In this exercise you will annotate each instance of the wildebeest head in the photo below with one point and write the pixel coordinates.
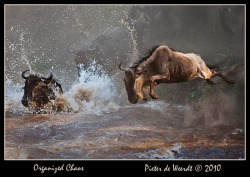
(31, 82)
(134, 82)
(84, 57)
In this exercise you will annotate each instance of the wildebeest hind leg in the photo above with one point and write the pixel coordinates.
(223, 77)
(210, 82)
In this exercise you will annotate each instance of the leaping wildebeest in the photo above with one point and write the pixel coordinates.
(165, 65)
(39, 90)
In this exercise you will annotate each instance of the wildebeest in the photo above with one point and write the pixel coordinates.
(114, 44)
(165, 65)
(39, 90)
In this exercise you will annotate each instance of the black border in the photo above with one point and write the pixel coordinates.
(123, 167)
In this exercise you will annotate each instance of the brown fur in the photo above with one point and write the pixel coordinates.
(166, 65)
(38, 92)
(41, 94)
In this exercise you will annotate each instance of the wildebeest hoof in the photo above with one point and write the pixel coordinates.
(153, 96)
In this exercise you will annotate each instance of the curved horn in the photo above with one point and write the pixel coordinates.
(23, 76)
(120, 67)
(48, 78)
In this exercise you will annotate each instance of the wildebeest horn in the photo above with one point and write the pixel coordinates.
(120, 67)
(48, 78)
(23, 76)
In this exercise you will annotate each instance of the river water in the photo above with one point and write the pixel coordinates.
(96, 121)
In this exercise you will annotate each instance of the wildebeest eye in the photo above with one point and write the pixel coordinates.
(139, 74)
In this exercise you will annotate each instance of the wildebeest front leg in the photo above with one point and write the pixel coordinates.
(144, 96)
(152, 84)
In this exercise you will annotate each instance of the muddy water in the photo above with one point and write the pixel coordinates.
(140, 132)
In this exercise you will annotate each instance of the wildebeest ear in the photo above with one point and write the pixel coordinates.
(140, 69)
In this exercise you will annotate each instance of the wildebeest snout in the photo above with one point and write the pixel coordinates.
(25, 101)
(133, 99)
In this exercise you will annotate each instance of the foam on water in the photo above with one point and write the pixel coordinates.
(162, 153)
(156, 105)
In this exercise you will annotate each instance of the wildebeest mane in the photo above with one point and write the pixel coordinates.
(144, 58)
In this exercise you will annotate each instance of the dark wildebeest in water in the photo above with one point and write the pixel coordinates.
(39, 90)
(109, 47)
(165, 65)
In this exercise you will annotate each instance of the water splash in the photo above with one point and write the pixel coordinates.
(23, 52)
(94, 92)
(132, 32)
(18, 51)
(13, 96)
